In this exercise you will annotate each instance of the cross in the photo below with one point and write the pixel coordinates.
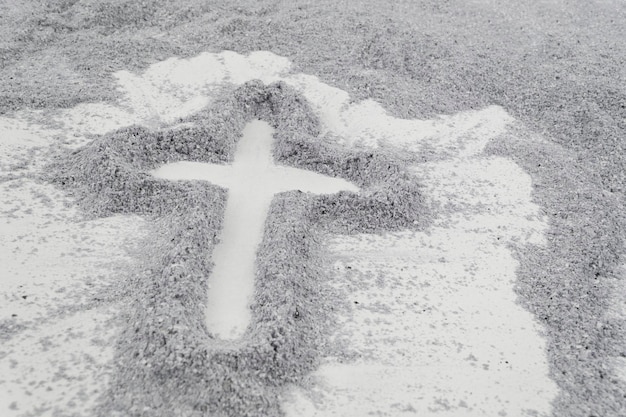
(251, 180)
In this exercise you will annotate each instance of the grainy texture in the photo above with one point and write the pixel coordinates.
(167, 361)
(558, 67)
(567, 284)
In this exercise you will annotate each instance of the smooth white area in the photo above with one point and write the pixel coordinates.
(617, 313)
(446, 293)
(437, 330)
(19, 141)
(252, 180)
(54, 263)
(176, 88)
(367, 123)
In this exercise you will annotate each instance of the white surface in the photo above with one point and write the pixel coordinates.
(56, 355)
(437, 330)
(446, 293)
(58, 360)
(19, 143)
(252, 181)
(176, 88)
(617, 313)
(60, 367)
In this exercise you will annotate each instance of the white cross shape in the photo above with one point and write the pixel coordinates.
(251, 180)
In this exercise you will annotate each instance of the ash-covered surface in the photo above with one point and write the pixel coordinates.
(556, 67)
(167, 362)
